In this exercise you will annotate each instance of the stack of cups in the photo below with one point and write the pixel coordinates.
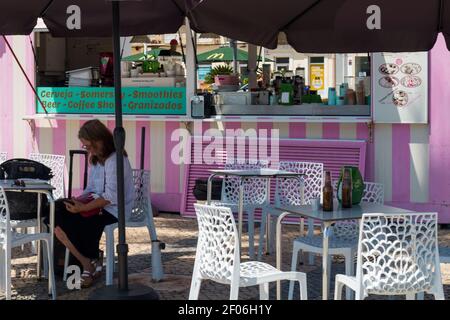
(331, 96)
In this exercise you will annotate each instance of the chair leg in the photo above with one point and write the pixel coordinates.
(251, 233)
(109, 234)
(66, 264)
(2, 269)
(262, 233)
(264, 291)
(338, 290)
(349, 272)
(234, 290)
(295, 252)
(51, 274)
(34, 243)
(272, 233)
(303, 287)
(7, 275)
(411, 296)
(195, 288)
(45, 254)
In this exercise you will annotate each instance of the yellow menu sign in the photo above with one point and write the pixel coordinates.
(317, 76)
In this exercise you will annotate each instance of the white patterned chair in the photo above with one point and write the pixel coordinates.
(397, 255)
(10, 239)
(140, 216)
(218, 257)
(255, 194)
(3, 157)
(287, 193)
(57, 164)
(343, 240)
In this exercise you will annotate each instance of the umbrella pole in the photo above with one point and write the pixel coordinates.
(119, 141)
(124, 292)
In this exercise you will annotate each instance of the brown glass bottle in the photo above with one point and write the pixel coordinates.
(346, 189)
(327, 194)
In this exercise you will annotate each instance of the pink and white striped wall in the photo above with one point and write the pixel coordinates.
(412, 161)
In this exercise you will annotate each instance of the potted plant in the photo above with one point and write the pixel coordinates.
(222, 75)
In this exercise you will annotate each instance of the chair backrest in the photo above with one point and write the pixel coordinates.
(397, 253)
(57, 164)
(348, 230)
(255, 189)
(5, 227)
(217, 257)
(288, 190)
(142, 205)
(373, 192)
(3, 156)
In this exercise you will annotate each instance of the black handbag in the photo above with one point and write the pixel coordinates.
(23, 205)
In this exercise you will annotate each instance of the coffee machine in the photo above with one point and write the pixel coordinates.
(299, 89)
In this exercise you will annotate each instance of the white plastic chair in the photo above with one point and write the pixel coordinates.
(397, 255)
(255, 195)
(57, 164)
(344, 238)
(3, 157)
(218, 257)
(9, 240)
(287, 193)
(140, 216)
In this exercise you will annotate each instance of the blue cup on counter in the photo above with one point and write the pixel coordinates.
(331, 96)
(340, 101)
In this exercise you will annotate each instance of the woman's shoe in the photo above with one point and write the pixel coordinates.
(98, 263)
(87, 279)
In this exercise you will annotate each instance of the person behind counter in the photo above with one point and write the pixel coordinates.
(172, 51)
(79, 222)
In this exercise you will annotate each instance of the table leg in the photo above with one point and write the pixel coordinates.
(38, 243)
(278, 249)
(240, 211)
(325, 261)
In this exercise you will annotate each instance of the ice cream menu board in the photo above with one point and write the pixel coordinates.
(400, 87)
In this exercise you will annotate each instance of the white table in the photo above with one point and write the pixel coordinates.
(41, 189)
(264, 173)
(327, 218)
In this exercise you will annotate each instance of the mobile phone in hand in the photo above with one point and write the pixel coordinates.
(69, 201)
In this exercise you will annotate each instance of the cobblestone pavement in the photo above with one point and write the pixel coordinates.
(180, 236)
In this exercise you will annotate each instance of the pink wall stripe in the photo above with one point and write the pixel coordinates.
(31, 98)
(330, 131)
(172, 169)
(362, 133)
(6, 110)
(297, 130)
(439, 99)
(400, 162)
(146, 125)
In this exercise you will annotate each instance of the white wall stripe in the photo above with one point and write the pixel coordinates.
(130, 143)
(20, 86)
(419, 160)
(347, 131)
(158, 154)
(383, 154)
(182, 167)
(284, 129)
(314, 130)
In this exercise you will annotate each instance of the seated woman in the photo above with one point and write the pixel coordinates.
(79, 224)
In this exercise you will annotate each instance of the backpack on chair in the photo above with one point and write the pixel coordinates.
(23, 205)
